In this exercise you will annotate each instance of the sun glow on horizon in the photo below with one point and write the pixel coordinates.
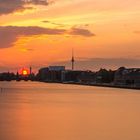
(25, 72)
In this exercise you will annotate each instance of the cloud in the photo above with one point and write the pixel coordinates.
(93, 64)
(137, 32)
(54, 23)
(26, 49)
(97, 63)
(10, 34)
(79, 31)
(11, 6)
(77, 26)
(45, 21)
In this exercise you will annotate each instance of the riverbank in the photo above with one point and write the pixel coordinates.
(99, 85)
(111, 85)
(106, 85)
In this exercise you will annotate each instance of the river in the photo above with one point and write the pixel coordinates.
(42, 111)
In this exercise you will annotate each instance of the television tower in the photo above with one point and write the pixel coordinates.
(72, 60)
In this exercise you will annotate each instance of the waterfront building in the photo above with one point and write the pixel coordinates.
(71, 75)
(56, 68)
(51, 74)
(127, 76)
(104, 76)
(87, 77)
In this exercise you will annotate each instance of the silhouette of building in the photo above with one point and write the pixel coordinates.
(51, 74)
(7, 76)
(87, 77)
(104, 76)
(124, 76)
(56, 68)
(71, 75)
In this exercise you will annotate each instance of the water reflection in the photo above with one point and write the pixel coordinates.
(40, 111)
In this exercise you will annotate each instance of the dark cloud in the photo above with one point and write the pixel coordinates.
(54, 23)
(10, 6)
(83, 32)
(10, 34)
(36, 2)
(75, 27)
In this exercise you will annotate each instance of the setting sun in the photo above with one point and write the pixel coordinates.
(24, 72)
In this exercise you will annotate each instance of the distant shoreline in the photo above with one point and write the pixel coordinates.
(113, 86)
(97, 85)
(89, 84)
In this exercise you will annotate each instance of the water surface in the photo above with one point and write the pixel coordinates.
(41, 111)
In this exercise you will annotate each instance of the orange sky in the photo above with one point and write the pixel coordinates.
(107, 29)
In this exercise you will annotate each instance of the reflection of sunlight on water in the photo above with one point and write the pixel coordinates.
(40, 111)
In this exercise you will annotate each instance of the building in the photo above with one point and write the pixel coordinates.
(51, 74)
(56, 68)
(124, 76)
(105, 76)
(87, 77)
(71, 75)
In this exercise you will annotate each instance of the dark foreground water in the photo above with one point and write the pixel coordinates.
(40, 111)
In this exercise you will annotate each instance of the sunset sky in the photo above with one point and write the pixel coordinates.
(38, 33)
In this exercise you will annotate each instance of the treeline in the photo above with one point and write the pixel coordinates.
(7, 76)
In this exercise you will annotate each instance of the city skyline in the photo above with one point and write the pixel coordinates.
(103, 33)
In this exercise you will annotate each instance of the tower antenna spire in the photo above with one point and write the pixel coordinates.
(72, 60)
